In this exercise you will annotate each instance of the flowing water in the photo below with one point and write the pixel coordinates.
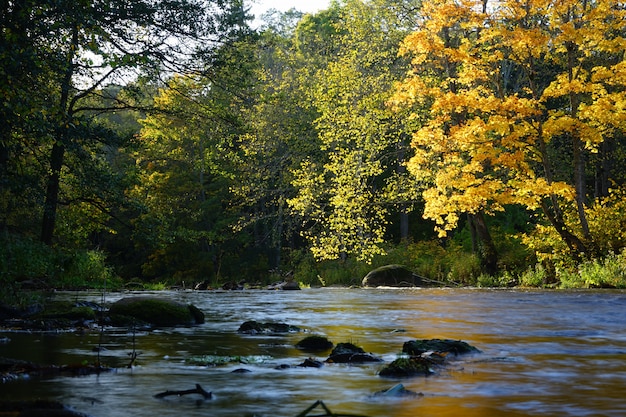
(544, 353)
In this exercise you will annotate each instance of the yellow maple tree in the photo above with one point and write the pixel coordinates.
(510, 84)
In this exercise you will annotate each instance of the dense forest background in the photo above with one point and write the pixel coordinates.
(161, 142)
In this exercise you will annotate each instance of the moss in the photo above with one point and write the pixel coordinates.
(155, 311)
(406, 367)
(66, 310)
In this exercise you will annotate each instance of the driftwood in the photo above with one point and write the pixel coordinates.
(197, 390)
(327, 412)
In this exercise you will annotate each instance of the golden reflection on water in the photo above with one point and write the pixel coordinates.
(544, 354)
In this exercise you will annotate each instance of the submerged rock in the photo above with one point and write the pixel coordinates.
(254, 327)
(154, 311)
(398, 390)
(349, 353)
(37, 408)
(311, 363)
(457, 347)
(284, 285)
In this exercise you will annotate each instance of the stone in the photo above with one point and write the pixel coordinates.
(349, 353)
(456, 347)
(154, 311)
(398, 390)
(407, 367)
(391, 276)
(315, 343)
(254, 327)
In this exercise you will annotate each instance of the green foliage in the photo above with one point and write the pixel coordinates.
(25, 259)
(534, 276)
(85, 269)
(315, 273)
(608, 272)
(27, 262)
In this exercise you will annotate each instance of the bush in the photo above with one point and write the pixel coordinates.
(85, 269)
(25, 259)
(533, 276)
(608, 272)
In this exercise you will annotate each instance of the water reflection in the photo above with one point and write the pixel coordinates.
(544, 353)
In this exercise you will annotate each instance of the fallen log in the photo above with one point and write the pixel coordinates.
(197, 390)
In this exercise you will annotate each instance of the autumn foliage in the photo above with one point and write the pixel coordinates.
(521, 97)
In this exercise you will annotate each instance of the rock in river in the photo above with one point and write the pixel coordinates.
(456, 347)
(315, 343)
(349, 353)
(254, 327)
(391, 276)
(154, 311)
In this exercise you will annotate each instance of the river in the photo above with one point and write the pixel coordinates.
(544, 353)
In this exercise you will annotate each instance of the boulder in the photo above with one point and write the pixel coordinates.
(391, 276)
(456, 347)
(154, 311)
(349, 353)
(407, 367)
(314, 343)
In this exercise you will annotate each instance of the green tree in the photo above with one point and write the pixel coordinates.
(80, 47)
(341, 189)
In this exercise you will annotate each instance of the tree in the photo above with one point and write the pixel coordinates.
(83, 46)
(341, 190)
(515, 91)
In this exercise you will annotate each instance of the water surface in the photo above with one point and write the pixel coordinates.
(544, 353)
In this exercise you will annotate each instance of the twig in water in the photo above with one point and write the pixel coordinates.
(197, 390)
(133, 355)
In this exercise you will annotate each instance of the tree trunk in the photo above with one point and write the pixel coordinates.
(486, 248)
(58, 149)
(577, 147)
(575, 245)
(404, 226)
(52, 194)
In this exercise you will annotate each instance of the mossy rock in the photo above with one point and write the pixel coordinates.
(349, 353)
(390, 276)
(315, 343)
(457, 347)
(66, 310)
(407, 367)
(154, 311)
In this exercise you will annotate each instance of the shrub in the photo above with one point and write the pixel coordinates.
(85, 269)
(608, 272)
(533, 276)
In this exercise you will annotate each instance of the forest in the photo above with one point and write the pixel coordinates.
(162, 143)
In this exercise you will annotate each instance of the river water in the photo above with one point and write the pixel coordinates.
(544, 353)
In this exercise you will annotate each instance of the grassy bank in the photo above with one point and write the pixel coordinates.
(27, 264)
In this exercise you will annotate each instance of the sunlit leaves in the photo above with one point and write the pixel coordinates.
(505, 83)
(339, 192)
